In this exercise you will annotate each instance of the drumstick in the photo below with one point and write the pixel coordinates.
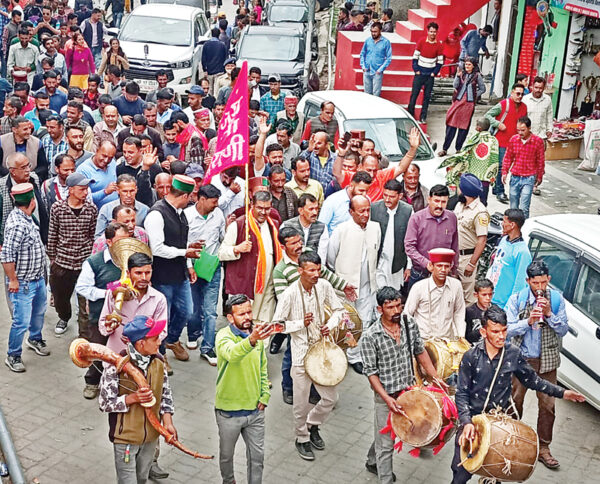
(405, 415)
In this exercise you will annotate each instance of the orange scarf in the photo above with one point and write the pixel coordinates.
(261, 265)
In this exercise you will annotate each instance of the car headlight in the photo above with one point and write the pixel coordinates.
(186, 64)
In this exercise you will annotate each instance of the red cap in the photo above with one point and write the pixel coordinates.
(258, 181)
(441, 255)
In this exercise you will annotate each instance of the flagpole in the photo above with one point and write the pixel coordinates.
(247, 204)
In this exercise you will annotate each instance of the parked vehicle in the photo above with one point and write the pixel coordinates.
(291, 13)
(570, 245)
(163, 36)
(386, 123)
(203, 4)
(280, 50)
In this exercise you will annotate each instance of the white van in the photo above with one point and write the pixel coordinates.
(570, 245)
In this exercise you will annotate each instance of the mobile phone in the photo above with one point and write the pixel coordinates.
(358, 134)
(347, 136)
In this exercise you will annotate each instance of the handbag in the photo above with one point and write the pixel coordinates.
(206, 265)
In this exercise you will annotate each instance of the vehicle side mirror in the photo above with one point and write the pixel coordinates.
(314, 55)
(112, 31)
(434, 146)
(207, 13)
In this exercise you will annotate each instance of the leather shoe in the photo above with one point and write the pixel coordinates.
(178, 350)
(156, 472)
(357, 367)
(288, 397)
(315, 438)
(275, 345)
(502, 198)
(305, 450)
(372, 468)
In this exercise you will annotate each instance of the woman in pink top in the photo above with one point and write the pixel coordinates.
(80, 62)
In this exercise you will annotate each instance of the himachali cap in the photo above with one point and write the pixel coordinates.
(201, 113)
(257, 181)
(290, 99)
(22, 192)
(183, 183)
(141, 327)
(441, 255)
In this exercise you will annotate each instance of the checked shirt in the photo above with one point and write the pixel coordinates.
(524, 159)
(384, 357)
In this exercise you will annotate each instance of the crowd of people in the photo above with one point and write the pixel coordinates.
(86, 162)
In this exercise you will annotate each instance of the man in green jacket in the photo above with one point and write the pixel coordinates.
(242, 388)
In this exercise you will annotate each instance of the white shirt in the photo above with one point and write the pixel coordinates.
(229, 201)
(210, 229)
(323, 241)
(155, 227)
(384, 274)
(86, 282)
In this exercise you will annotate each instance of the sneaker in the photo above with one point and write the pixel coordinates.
(61, 327)
(156, 472)
(178, 350)
(191, 345)
(288, 397)
(502, 198)
(15, 363)
(90, 392)
(210, 357)
(305, 450)
(39, 347)
(168, 366)
(315, 439)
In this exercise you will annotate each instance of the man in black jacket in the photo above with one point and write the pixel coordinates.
(214, 54)
(392, 215)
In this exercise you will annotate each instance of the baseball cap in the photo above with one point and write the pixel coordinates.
(274, 78)
(195, 90)
(164, 93)
(141, 327)
(77, 180)
(194, 170)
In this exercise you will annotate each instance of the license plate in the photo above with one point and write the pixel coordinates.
(147, 85)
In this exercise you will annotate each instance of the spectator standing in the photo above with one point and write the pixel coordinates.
(54, 142)
(386, 20)
(356, 21)
(24, 261)
(70, 238)
(22, 56)
(9, 32)
(525, 161)
(58, 99)
(102, 172)
(375, 57)
(427, 62)
(22, 141)
(503, 119)
(114, 55)
(129, 103)
(214, 54)
(12, 108)
(92, 30)
(325, 121)
(118, 9)
(473, 42)
(468, 87)
(273, 101)
(80, 61)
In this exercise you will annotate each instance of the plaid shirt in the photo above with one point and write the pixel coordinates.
(23, 246)
(384, 357)
(51, 149)
(322, 173)
(70, 237)
(524, 159)
(272, 106)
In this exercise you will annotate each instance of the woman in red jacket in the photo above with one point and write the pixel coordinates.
(80, 62)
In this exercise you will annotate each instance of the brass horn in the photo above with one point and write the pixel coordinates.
(123, 290)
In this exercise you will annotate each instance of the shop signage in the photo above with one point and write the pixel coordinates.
(590, 8)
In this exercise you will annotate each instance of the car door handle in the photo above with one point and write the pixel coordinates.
(574, 332)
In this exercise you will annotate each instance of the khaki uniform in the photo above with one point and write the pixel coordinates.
(473, 222)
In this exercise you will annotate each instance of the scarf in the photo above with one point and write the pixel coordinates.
(479, 156)
(261, 265)
(139, 360)
(186, 135)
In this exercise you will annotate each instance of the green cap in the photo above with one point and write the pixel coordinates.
(183, 183)
(22, 192)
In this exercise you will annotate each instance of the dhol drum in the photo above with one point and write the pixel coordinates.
(19, 76)
(504, 448)
(326, 363)
(428, 419)
(348, 332)
(446, 354)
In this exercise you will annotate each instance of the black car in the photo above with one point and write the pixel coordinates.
(279, 50)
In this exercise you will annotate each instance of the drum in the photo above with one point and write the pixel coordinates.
(348, 333)
(19, 76)
(430, 418)
(325, 363)
(446, 354)
(504, 448)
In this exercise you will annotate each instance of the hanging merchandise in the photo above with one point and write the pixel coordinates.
(545, 13)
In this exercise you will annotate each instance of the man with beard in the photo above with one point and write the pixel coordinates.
(301, 182)
(70, 237)
(74, 135)
(74, 115)
(103, 173)
(20, 140)
(387, 348)
(292, 117)
(283, 138)
(433, 227)
(124, 216)
(193, 143)
(109, 128)
(285, 201)
(54, 142)
(316, 235)
(139, 126)
(375, 57)
(56, 189)
(195, 96)
(231, 187)
(413, 192)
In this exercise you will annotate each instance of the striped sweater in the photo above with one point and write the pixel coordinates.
(286, 273)
(428, 57)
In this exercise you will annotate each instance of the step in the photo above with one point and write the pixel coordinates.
(433, 6)
(353, 42)
(399, 95)
(399, 62)
(390, 77)
(420, 17)
(409, 31)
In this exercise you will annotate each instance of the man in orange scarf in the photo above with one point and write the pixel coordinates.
(250, 263)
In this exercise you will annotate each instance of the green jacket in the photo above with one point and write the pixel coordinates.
(242, 381)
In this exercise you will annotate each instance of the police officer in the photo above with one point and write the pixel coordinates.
(473, 221)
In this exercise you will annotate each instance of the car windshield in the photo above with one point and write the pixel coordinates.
(390, 136)
(288, 13)
(270, 47)
(157, 30)
(189, 3)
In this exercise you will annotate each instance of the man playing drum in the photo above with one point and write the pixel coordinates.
(484, 381)
(302, 308)
(386, 348)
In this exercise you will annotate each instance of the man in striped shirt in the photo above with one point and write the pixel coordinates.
(427, 62)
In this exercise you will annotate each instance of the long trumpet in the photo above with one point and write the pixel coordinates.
(83, 353)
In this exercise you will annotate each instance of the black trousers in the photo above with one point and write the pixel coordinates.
(94, 373)
(460, 139)
(419, 82)
(459, 474)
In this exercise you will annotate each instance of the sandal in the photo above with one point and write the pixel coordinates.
(545, 457)
(442, 153)
(537, 191)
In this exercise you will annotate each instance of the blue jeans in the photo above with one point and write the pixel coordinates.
(498, 185)
(205, 296)
(372, 83)
(179, 303)
(97, 53)
(28, 314)
(520, 191)
(117, 19)
(286, 367)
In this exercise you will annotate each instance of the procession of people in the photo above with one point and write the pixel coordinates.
(233, 228)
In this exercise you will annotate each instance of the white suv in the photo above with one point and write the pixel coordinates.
(570, 245)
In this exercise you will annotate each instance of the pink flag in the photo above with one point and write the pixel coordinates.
(232, 137)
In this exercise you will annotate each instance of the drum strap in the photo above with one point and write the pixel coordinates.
(308, 332)
(410, 347)
(487, 399)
